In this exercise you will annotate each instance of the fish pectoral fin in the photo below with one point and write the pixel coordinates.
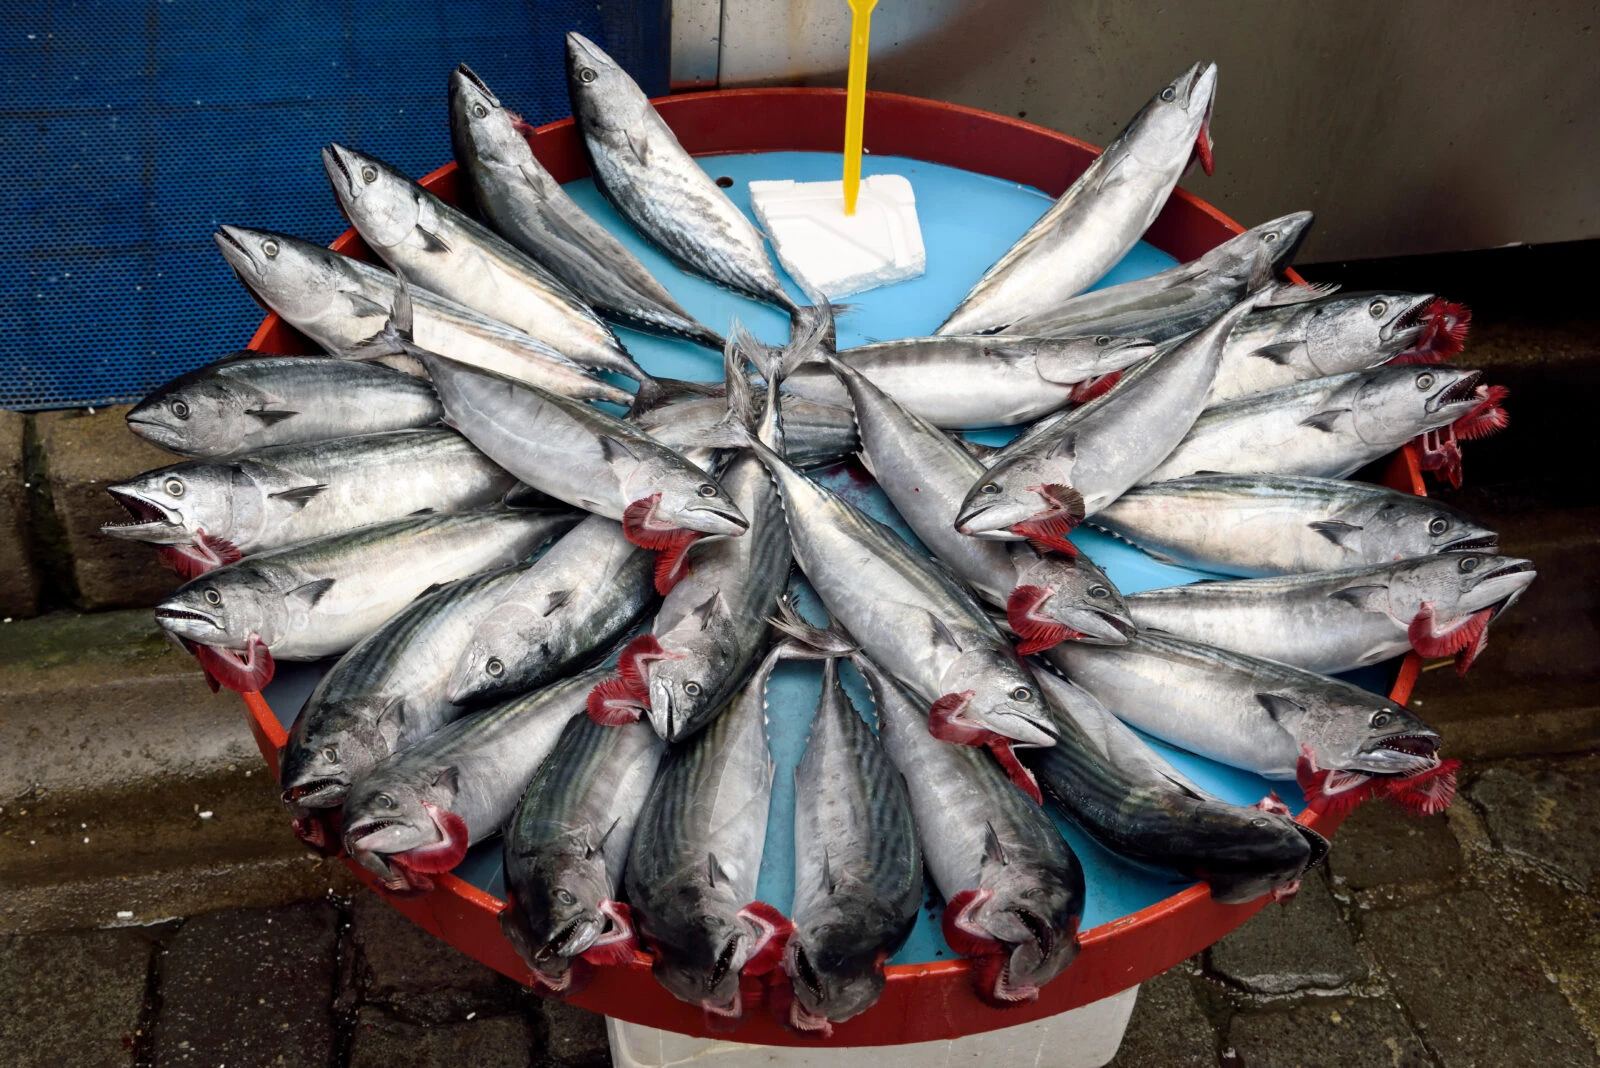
(639, 145)
(1279, 707)
(535, 182)
(1067, 447)
(432, 242)
(306, 596)
(391, 722)
(269, 417)
(448, 779)
(1335, 530)
(714, 871)
(1115, 174)
(993, 849)
(1279, 353)
(710, 609)
(615, 450)
(1366, 598)
(364, 305)
(299, 496)
(1324, 420)
(555, 599)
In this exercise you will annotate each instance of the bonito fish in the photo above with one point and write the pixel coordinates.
(528, 207)
(318, 598)
(206, 514)
(248, 401)
(1256, 525)
(1103, 214)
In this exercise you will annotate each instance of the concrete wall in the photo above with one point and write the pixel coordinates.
(1409, 126)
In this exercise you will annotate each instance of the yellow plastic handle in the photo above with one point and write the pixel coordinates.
(855, 104)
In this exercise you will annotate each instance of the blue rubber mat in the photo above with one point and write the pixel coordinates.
(131, 128)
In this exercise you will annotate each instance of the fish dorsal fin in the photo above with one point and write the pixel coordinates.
(1368, 598)
(299, 496)
(1279, 353)
(1279, 707)
(268, 416)
(714, 871)
(992, 847)
(1335, 530)
(1324, 420)
(555, 599)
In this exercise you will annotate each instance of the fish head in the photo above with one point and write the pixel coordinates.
(1074, 360)
(1281, 237)
(329, 751)
(1178, 115)
(699, 959)
(1003, 697)
(1380, 738)
(1394, 404)
(294, 278)
(170, 505)
(1399, 528)
(560, 895)
(507, 653)
(696, 501)
(1073, 592)
(1249, 852)
(481, 127)
(386, 814)
(685, 687)
(1034, 910)
(835, 961)
(1458, 584)
(380, 202)
(1355, 331)
(197, 413)
(1014, 491)
(225, 608)
(604, 97)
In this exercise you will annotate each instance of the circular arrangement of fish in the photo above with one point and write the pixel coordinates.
(557, 604)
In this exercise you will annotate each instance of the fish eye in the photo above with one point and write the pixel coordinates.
(212, 596)
(587, 75)
(1022, 693)
(495, 667)
(707, 490)
(990, 487)
(386, 801)
(269, 248)
(369, 174)
(1468, 564)
(1270, 236)
(1438, 525)
(173, 486)
(479, 110)
(1103, 340)
(330, 754)
(1380, 719)
(692, 689)
(1377, 308)
(1425, 381)
(1258, 821)
(180, 409)
(1169, 94)
(564, 895)
(1099, 593)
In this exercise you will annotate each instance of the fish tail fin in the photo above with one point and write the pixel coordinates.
(805, 641)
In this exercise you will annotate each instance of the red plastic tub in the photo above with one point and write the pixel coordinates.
(921, 1002)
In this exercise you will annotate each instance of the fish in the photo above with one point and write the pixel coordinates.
(640, 167)
(343, 304)
(1341, 743)
(1048, 596)
(1013, 889)
(814, 434)
(1104, 213)
(857, 868)
(911, 615)
(585, 592)
(1326, 427)
(1258, 525)
(1044, 484)
(959, 383)
(443, 250)
(1179, 300)
(579, 454)
(528, 207)
(203, 514)
(696, 855)
(1335, 621)
(416, 813)
(318, 598)
(711, 628)
(385, 694)
(248, 401)
(565, 847)
(1345, 332)
(1119, 791)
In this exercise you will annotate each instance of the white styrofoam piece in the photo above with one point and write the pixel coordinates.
(831, 254)
(1085, 1037)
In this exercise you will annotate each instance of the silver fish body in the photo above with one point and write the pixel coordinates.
(528, 207)
(1121, 792)
(1257, 525)
(1277, 347)
(813, 434)
(577, 598)
(1340, 620)
(447, 252)
(857, 866)
(567, 842)
(1102, 215)
(1178, 300)
(1325, 427)
(248, 401)
(418, 811)
(386, 693)
(657, 186)
(967, 382)
(292, 493)
(342, 304)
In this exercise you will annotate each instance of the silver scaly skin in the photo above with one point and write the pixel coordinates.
(1120, 791)
(968, 382)
(248, 401)
(657, 186)
(1103, 214)
(565, 847)
(528, 207)
(1324, 428)
(443, 250)
(1257, 525)
(1335, 621)
(293, 493)
(342, 304)
(1178, 300)
(814, 434)
(857, 866)
(576, 599)
(1277, 347)
(417, 812)
(385, 694)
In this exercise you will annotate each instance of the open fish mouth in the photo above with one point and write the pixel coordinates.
(1403, 754)
(564, 942)
(724, 963)
(1408, 326)
(354, 836)
(316, 793)
(148, 517)
(166, 614)
(1515, 568)
(333, 157)
(806, 973)
(236, 251)
(477, 82)
(1044, 938)
(1458, 391)
(1485, 543)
